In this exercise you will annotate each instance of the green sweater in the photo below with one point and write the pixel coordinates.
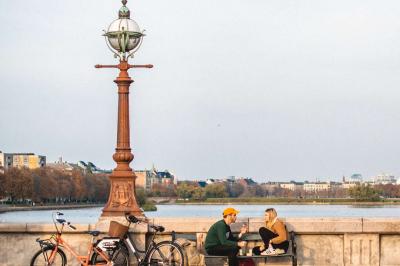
(220, 234)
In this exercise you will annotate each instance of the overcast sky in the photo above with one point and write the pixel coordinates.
(274, 90)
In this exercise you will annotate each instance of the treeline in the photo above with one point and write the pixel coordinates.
(362, 192)
(191, 190)
(47, 185)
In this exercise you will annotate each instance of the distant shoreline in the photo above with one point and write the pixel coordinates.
(283, 203)
(47, 207)
(4, 209)
(286, 201)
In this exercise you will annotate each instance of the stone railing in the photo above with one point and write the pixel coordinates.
(327, 241)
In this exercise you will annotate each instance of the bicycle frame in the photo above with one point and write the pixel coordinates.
(60, 242)
(84, 260)
(136, 252)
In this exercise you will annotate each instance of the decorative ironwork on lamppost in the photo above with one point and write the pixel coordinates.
(124, 38)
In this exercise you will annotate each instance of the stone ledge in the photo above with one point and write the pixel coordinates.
(12, 227)
(201, 225)
(50, 228)
(381, 225)
(185, 224)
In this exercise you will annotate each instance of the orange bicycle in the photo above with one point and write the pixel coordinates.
(51, 252)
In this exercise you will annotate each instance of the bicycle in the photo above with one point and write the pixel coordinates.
(167, 253)
(51, 252)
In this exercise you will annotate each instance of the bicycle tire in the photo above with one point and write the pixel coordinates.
(40, 259)
(120, 257)
(166, 253)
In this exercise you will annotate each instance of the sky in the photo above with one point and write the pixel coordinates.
(275, 90)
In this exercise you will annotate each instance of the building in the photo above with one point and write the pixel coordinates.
(63, 165)
(28, 160)
(88, 167)
(384, 179)
(166, 178)
(270, 187)
(292, 185)
(148, 178)
(347, 185)
(316, 186)
(1, 162)
(245, 182)
(1, 159)
(355, 178)
(145, 179)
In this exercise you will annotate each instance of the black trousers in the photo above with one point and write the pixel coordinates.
(266, 236)
(229, 251)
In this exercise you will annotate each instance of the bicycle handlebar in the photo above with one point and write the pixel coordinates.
(61, 221)
(71, 226)
(133, 219)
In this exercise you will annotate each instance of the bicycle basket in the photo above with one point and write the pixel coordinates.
(117, 230)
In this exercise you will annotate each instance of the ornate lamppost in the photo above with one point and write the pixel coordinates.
(124, 38)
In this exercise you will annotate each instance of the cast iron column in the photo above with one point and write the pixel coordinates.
(122, 198)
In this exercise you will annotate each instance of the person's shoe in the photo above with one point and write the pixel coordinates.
(279, 251)
(268, 251)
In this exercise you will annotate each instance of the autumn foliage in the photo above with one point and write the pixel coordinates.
(47, 185)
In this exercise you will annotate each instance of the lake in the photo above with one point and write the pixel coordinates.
(91, 215)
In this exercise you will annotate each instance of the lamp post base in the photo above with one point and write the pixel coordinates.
(122, 198)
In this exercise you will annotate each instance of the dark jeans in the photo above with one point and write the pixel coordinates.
(229, 251)
(266, 236)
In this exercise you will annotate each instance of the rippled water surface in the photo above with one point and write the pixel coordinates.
(91, 215)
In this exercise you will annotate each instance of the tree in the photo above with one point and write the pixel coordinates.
(198, 194)
(217, 190)
(141, 196)
(2, 185)
(364, 192)
(185, 190)
(163, 190)
(18, 184)
(235, 190)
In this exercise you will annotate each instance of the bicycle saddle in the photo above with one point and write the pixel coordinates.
(93, 233)
(158, 228)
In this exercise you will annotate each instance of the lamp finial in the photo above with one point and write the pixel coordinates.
(124, 11)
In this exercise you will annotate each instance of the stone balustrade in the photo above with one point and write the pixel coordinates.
(320, 241)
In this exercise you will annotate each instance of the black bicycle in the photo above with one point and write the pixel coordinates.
(167, 253)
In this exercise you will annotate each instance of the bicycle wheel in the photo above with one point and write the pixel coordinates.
(41, 258)
(166, 253)
(120, 257)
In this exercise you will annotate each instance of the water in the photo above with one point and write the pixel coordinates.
(91, 215)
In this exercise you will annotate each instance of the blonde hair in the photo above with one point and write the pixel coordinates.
(272, 217)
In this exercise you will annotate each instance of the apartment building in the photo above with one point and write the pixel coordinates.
(28, 160)
(147, 178)
(292, 185)
(1, 159)
(316, 186)
(384, 179)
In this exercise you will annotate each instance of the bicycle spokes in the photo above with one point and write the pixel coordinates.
(166, 255)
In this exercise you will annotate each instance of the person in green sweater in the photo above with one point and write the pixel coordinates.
(220, 240)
